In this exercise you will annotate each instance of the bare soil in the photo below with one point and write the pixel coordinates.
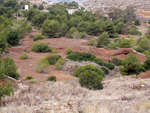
(27, 67)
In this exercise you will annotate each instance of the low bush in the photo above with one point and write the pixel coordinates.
(92, 42)
(142, 45)
(109, 65)
(91, 80)
(105, 70)
(98, 61)
(32, 81)
(103, 41)
(59, 64)
(130, 65)
(112, 45)
(81, 56)
(38, 37)
(147, 64)
(29, 77)
(69, 51)
(139, 49)
(90, 67)
(116, 61)
(24, 56)
(6, 90)
(52, 78)
(13, 38)
(137, 22)
(53, 58)
(42, 66)
(8, 68)
(41, 47)
(134, 31)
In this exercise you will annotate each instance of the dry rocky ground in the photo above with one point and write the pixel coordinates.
(120, 95)
(139, 4)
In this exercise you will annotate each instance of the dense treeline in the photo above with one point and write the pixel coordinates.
(11, 31)
(57, 22)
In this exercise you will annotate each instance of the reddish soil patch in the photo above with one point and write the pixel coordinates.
(144, 75)
(26, 67)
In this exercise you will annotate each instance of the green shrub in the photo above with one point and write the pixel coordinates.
(24, 56)
(59, 64)
(105, 70)
(90, 67)
(130, 65)
(142, 45)
(29, 77)
(147, 64)
(41, 47)
(32, 81)
(98, 61)
(81, 56)
(124, 43)
(82, 34)
(52, 78)
(134, 31)
(53, 58)
(92, 42)
(69, 51)
(112, 45)
(91, 80)
(13, 38)
(6, 90)
(8, 68)
(116, 61)
(109, 65)
(139, 49)
(38, 37)
(28, 28)
(3, 43)
(42, 66)
(137, 22)
(103, 40)
(73, 31)
(148, 36)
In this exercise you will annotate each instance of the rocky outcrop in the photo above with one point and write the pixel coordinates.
(70, 66)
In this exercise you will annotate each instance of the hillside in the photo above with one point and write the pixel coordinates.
(53, 61)
(139, 4)
(64, 0)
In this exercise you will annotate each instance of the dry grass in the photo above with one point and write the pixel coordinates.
(120, 95)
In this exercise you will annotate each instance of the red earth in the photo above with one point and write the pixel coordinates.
(144, 75)
(26, 67)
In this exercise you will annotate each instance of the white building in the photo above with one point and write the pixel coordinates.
(71, 11)
(26, 7)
